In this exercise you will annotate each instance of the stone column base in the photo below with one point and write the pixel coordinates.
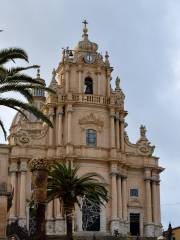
(22, 221)
(59, 226)
(149, 230)
(123, 228)
(114, 225)
(50, 227)
(11, 219)
(158, 230)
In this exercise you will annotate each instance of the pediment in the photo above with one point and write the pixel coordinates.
(91, 119)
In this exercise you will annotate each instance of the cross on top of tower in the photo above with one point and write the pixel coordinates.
(85, 23)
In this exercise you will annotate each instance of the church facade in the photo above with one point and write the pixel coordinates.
(89, 130)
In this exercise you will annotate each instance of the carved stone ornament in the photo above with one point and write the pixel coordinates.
(23, 166)
(144, 146)
(39, 164)
(26, 136)
(91, 119)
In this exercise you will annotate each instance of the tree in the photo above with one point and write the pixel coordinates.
(65, 184)
(12, 79)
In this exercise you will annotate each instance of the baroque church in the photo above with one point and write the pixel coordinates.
(89, 130)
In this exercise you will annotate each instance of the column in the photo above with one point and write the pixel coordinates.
(103, 219)
(69, 123)
(108, 83)
(148, 201)
(59, 220)
(119, 197)
(13, 180)
(67, 70)
(98, 82)
(59, 125)
(122, 132)
(114, 195)
(154, 202)
(50, 210)
(51, 114)
(50, 220)
(158, 203)
(117, 131)
(22, 206)
(112, 128)
(58, 212)
(124, 198)
(80, 78)
(79, 217)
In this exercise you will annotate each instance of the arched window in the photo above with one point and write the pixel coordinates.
(91, 137)
(88, 86)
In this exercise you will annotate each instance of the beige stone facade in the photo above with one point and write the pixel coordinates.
(89, 130)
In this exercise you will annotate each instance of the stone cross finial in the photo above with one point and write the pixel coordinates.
(85, 23)
(117, 83)
(143, 131)
(85, 30)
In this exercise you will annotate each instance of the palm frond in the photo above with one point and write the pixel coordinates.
(9, 102)
(9, 54)
(3, 129)
(12, 71)
(22, 89)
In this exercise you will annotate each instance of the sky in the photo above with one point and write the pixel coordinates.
(143, 41)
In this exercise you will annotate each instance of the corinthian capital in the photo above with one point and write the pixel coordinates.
(38, 164)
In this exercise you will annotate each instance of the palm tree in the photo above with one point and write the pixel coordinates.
(65, 184)
(12, 79)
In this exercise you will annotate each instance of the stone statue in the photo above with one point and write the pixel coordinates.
(117, 83)
(143, 131)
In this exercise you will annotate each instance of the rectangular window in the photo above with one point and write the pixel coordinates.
(91, 137)
(134, 192)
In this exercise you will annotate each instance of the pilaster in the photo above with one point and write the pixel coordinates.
(117, 131)
(124, 198)
(122, 133)
(13, 179)
(22, 208)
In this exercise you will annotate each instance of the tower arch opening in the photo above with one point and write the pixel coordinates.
(88, 85)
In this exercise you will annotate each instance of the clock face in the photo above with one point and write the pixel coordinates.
(89, 58)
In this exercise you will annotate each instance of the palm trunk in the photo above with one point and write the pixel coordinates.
(40, 224)
(69, 224)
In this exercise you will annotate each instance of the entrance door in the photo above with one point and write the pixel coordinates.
(90, 216)
(135, 224)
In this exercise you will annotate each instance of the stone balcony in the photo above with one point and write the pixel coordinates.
(91, 99)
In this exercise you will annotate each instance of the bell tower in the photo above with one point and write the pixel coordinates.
(84, 70)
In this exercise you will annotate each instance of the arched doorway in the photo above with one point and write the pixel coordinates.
(90, 216)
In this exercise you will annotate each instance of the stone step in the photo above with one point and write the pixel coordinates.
(99, 238)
